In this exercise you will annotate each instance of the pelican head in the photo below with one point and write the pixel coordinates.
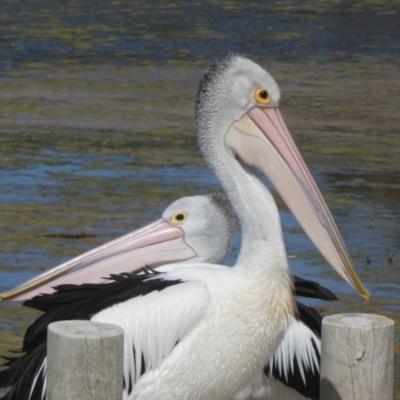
(237, 110)
(208, 225)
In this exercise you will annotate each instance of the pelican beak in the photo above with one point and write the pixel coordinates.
(261, 139)
(155, 243)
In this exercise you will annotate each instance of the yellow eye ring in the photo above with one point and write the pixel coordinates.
(262, 96)
(179, 218)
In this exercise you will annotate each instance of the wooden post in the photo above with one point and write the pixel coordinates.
(84, 361)
(357, 357)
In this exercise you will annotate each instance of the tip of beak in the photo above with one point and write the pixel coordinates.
(361, 289)
(364, 292)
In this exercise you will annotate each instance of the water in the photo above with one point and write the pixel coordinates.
(161, 31)
(97, 133)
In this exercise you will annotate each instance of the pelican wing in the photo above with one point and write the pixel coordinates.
(155, 312)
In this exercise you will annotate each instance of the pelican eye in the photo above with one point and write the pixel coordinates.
(262, 96)
(179, 218)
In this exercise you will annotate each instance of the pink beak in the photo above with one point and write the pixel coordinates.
(158, 242)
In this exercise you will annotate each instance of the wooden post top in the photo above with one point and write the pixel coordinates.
(357, 320)
(88, 329)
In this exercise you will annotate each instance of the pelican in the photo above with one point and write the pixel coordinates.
(208, 225)
(219, 325)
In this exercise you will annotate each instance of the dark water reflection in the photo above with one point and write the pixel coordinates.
(97, 136)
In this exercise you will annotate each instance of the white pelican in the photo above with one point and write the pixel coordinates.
(218, 326)
(208, 225)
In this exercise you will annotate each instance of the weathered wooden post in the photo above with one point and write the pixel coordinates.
(84, 361)
(357, 357)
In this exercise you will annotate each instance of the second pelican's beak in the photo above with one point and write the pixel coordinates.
(155, 243)
(262, 140)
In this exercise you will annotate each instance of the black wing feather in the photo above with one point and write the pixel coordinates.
(311, 289)
(21, 372)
